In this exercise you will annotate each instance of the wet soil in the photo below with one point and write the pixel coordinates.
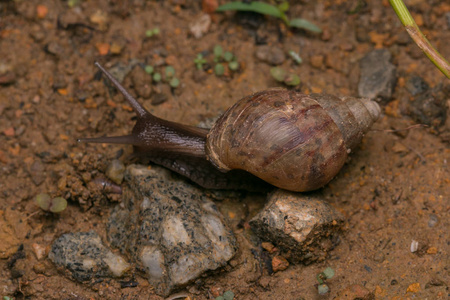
(394, 190)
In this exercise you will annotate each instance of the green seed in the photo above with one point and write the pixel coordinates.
(44, 201)
(218, 51)
(174, 82)
(233, 65)
(157, 77)
(219, 69)
(278, 73)
(228, 56)
(148, 69)
(170, 71)
(58, 205)
(292, 80)
(328, 272)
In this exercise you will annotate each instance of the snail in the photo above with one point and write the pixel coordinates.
(291, 140)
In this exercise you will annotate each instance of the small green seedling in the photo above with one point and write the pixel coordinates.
(157, 77)
(170, 72)
(228, 56)
(281, 75)
(199, 61)
(323, 288)
(271, 10)
(55, 205)
(152, 32)
(233, 65)
(174, 82)
(149, 69)
(219, 69)
(218, 52)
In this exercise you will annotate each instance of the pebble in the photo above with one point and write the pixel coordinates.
(270, 54)
(378, 75)
(84, 255)
(355, 291)
(279, 263)
(416, 85)
(302, 226)
(170, 228)
(39, 251)
(200, 26)
(432, 220)
(429, 107)
(317, 61)
(141, 82)
(115, 171)
(37, 172)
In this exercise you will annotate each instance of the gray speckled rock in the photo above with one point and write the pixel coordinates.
(378, 75)
(85, 256)
(303, 226)
(169, 228)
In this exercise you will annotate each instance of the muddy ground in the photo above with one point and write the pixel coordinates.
(394, 189)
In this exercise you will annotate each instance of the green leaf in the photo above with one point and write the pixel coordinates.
(219, 69)
(304, 24)
(174, 82)
(328, 272)
(284, 6)
(292, 80)
(218, 51)
(278, 73)
(228, 56)
(255, 6)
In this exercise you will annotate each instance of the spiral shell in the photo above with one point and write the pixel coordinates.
(293, 141)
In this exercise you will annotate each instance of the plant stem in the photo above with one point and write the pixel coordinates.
(419, 38)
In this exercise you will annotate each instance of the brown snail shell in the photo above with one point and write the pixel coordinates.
(293, 141)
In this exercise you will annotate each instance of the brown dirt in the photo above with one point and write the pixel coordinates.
(392, 190)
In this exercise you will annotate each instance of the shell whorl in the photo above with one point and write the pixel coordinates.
(291, 140)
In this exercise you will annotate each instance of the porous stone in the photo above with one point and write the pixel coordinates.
(378, 75)
(169, 228)
(270, 54)
(303, 226)
(85, 256)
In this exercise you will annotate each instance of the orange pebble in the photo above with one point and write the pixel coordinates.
(41, 11)
(102, 48)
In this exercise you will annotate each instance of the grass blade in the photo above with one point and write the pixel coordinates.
(304, 24)
(256, 6)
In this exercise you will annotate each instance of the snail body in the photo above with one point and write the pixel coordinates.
(293, 141)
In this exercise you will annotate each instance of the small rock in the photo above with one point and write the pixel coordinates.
(85, 256)
(269, 247)
(141, 82)
(430, 107)
(55, 49)
(302, 226)
(115, 171)
(354, 292)
(414, 246)
(416, 85)
(399, 148)
(317, 61)
(279, 263)
(432, 220)
(169, 227)
(100, 18)
(200, 26)
(270, 54)
(37, 172)
(39, 251)
(378, 75)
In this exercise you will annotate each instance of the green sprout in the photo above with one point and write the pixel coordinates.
(233, 65)
(157, 77)
(151, 32)
(270, 10)
(174, 82)
(219, 69)
(199, 61)
(54, 205)
(149, 69)
(218, 52)
(323, 288)
(170, 72)
(281, 75)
